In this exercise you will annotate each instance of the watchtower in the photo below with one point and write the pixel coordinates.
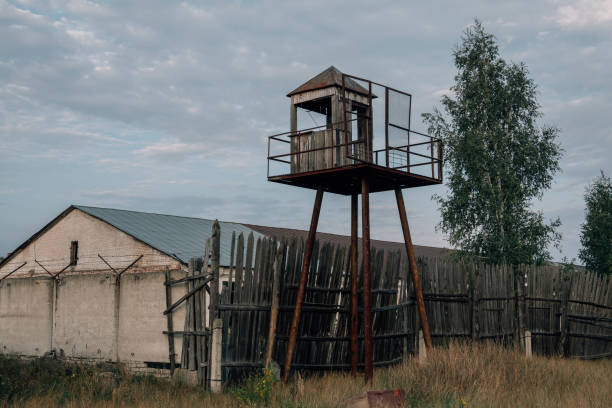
(351, 153)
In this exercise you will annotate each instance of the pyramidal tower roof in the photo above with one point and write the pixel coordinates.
(332, 76)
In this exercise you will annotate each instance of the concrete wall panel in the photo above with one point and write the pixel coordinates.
(26, 316)
(141, 322)
(85, 316)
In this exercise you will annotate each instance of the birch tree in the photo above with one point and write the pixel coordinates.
(498, 159)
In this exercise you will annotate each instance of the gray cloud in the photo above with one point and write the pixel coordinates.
(166, 106)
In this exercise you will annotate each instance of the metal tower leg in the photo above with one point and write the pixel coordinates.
(354, 301)
(367, 280)
(413, 268)
(303, 280)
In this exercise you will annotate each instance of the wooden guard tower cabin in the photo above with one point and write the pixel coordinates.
(353, 154)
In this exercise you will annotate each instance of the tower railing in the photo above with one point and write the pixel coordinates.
(326, 147)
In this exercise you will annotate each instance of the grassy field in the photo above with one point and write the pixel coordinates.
(457, 376)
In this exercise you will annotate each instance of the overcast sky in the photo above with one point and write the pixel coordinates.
(165, 107)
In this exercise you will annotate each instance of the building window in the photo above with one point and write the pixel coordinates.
(74, 252)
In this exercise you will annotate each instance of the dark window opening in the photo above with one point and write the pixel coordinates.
(155, 364)
(74, 252)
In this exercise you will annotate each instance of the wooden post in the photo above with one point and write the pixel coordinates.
(475, 302)
(528, 343)
(520, 307)
(190, 301)
(275, 302)
(354, 277)
(213, 306)
(422, 348)
(170, 324)
(564, 346)
(413, 268)
(367, 280)
(214, 284)
(216, 356)
(303, 280)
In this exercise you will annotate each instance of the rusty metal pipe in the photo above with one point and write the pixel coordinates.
(367, 280)
(303, 280)
(354, 300)
(413, 268)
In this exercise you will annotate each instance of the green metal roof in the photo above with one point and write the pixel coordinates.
(180, 237)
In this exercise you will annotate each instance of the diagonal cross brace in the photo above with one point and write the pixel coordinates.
(188, 294)
(13, 271)
(54, 276)
(124, 269)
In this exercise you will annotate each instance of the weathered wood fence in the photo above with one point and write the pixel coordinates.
(567, 312)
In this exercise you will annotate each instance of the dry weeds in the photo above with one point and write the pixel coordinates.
(457, 376)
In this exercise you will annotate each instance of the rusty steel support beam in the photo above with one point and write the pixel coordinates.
(367, 280)
(413, 268)
(13, 271)
(354, 300)
(303, 280)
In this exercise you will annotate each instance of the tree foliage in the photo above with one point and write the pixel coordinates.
(497, 157)
(596, 232)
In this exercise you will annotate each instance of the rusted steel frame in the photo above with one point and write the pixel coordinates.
(400, 127)
(435, 160)
(278, 160)
(278, 140)
(45, 269)
(367, 280)
(432, 158)
(440, 166)
(370, 136)
(130, 265)
(345, 122)
(354, 299)
(410, 116)
(413, 268)
(303, 281)
(414, 165)
(13, 271)
(107, 264)
(296, 133)
(375, 83)
(417, 165)
(188, 295)
(386, 127)
(422, 134)
(299, 153)
(65, 267)
(349, 168)
(435, 139)
(113, 269)
(268, 161)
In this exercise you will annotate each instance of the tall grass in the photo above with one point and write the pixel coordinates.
(456, 376)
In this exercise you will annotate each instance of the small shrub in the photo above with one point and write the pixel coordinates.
(256, 389)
